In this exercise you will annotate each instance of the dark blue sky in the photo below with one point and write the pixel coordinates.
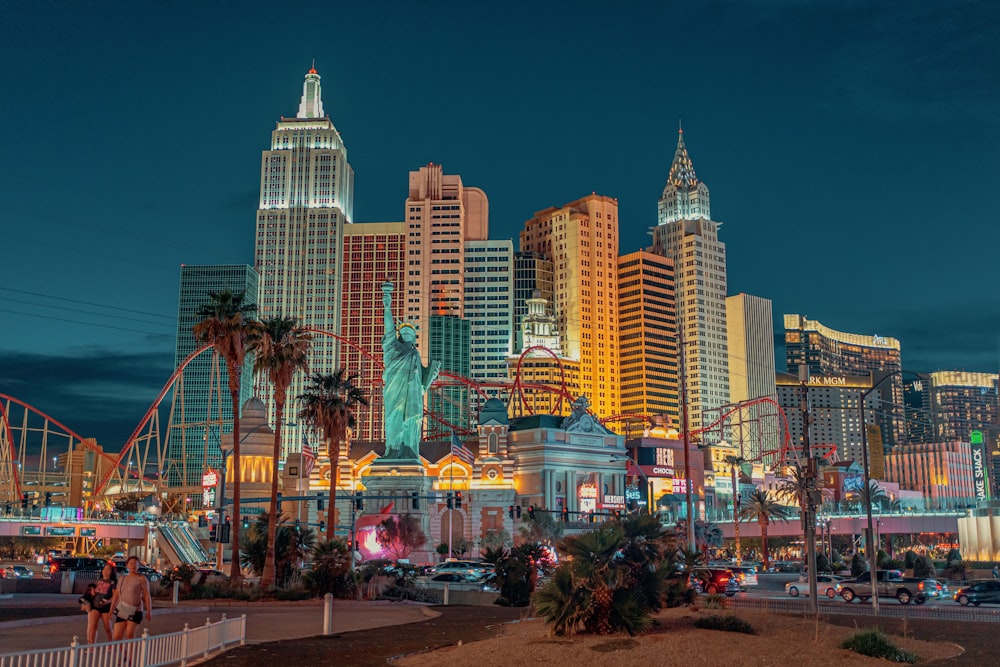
(851, 149)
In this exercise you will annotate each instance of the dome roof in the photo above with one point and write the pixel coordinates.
(494, 410)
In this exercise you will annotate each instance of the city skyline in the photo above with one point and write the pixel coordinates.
(841, 150)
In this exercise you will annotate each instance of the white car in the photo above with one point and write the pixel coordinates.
(826, 584)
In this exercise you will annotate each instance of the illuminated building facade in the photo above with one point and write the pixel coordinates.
(306, 197)
(201, 402)
(374, 252)
(545, 364)
(834, 412)
(825, 351)
(750, 332)
(647, 336)
(963, 402)
(941, 471)
(442, 214)
(686, 234)
(448, 341)
(581, 240)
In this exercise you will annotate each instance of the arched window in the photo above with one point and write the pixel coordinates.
(493, 444)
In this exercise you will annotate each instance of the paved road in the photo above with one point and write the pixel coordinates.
(266, 622)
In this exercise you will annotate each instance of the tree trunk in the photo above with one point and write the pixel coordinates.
(269, 576)
(235, 573)
(763, 540)
(331, 514)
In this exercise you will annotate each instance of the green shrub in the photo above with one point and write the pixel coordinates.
(294, 593)
(876, 645)
(714, 601)
(823, 563)
(923, 567)
(724, 623)
(894, 564)
(882, 560)
(909, 559)
(858, 565)
(954, 556)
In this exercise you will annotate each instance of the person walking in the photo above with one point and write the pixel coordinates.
(131, 596)
(996, 572)
(100, 610)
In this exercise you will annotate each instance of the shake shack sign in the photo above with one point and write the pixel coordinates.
(980, 475)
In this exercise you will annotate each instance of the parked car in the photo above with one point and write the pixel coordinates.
(978, 592)
(785, 566)
(454, 578)
(16, 572)
(473, 567)
(826, 584)
(718, 580)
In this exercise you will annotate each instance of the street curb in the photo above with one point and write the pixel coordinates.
(51, 620)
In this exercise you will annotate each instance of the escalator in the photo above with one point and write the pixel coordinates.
(180, 546)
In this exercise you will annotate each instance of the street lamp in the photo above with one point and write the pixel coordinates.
(870, 530)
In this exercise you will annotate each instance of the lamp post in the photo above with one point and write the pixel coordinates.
(734, 463)
(870, 530)
(688, 502)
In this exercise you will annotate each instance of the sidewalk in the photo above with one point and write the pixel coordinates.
(266, 621)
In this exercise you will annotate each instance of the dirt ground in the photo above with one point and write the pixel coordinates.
(487, 636)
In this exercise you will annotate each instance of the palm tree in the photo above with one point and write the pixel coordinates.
(280, 348)
(758, 505)
(226, 325)
(735, 462)
(876, 495)
(328, 406)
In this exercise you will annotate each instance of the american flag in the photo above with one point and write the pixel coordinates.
(460, 450)
(308, 457)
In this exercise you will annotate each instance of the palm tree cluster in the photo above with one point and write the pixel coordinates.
(284, 546)
(611, 579)
(280, 349)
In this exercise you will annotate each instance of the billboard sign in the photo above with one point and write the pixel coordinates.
(876, 453)
(980, 472)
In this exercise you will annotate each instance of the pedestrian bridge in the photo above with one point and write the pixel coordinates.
(904, 523)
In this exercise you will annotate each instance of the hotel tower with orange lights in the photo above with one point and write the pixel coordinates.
(581, 240)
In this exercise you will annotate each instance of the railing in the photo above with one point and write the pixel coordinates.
(835, 608)
(176, 648)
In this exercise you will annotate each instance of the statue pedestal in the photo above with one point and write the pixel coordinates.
(399, 480)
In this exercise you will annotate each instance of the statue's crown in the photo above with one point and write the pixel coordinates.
(401, 325)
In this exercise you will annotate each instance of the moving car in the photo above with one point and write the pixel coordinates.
(75, 564)
(978, 592)
(826, 584)
(472, 567)
(16, 572)
(746, 576)
(717, 580)
(889, 584)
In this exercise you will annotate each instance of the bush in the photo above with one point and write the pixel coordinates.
(714, 601)
(893, 564)
(923, 567)
(823, 563)
(954, 556)
(909, 559)
(876, 645)
(882, 560)
(858, 565)
(724, 623)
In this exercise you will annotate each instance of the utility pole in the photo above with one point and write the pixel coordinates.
(809, 492)
(689, 505)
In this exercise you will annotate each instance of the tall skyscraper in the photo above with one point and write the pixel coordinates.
(532, 273)
(686, 234)
(374, 252)
(581, 240)
(442, 214)
(489, 306)
(647, 336)
(306, 197)
(750, 329)
(963, 402)
(202, 409)
(825, 351)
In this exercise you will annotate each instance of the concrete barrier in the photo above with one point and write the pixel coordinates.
(66, 581)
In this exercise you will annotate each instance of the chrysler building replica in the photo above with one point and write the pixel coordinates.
(686, 233)
(306, 196)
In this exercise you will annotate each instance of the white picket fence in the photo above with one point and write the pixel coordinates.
(176, 648)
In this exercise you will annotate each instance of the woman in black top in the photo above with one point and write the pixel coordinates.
(101, 606)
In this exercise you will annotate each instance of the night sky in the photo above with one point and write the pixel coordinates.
(851, 149)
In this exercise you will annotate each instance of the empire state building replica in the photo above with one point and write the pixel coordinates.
(306, 197)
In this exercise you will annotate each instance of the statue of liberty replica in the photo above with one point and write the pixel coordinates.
(405, 382)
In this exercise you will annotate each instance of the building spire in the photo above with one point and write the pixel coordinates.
(682, 169)
(311, 105)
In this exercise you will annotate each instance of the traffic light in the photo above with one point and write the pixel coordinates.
(246, 523)
(359, 501)
(202, 521)
(510, 511)
(320, 503)
(322, 526)
(458, 500)
(416, 500)
(531, 512)
(224, 532)
(298, 526)
(279, 503)
(213, 533)
(517, 511)
(48, 498)
(450, 501)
